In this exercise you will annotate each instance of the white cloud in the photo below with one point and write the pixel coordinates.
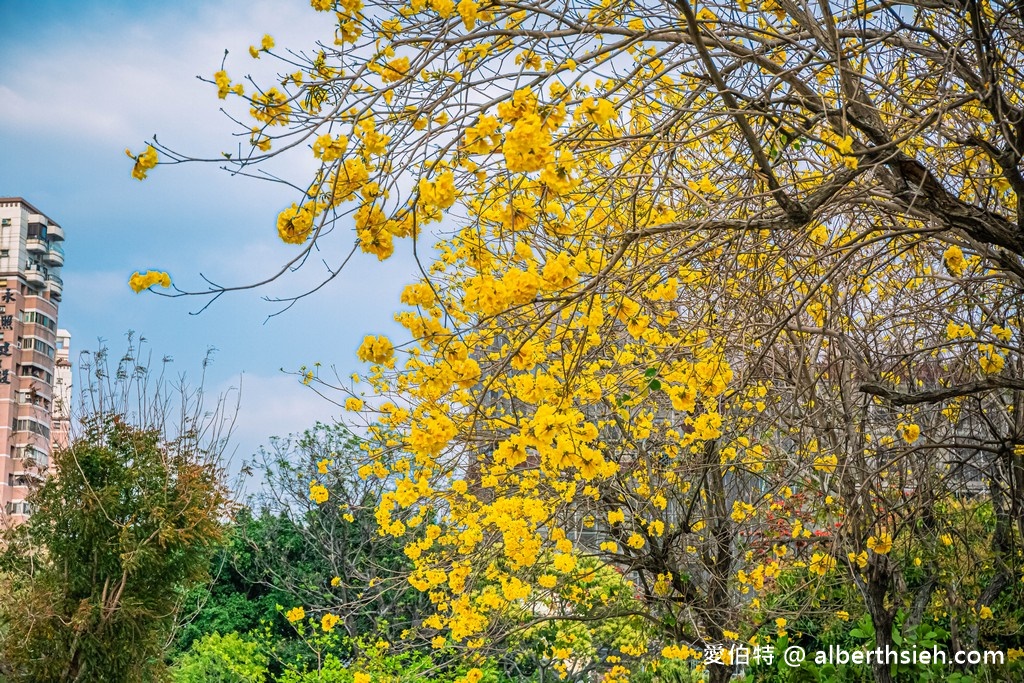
(274, 405)
(126, 78)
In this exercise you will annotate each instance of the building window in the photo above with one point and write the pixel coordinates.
(4, 253)
(29, 425)
(31, 398)
(40, 346)
(5, 222)
(17, 480)
(28, 370)
(18, 507)
(32, 456)
(37, 318)
(39, 459)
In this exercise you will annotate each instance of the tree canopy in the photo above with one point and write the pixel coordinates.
(95, 577)
(724, 295)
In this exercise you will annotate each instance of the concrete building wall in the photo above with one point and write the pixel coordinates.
(62, 378)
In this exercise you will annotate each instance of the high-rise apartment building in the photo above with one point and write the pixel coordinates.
(31, 257)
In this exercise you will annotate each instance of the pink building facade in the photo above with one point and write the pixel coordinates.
(31, 257)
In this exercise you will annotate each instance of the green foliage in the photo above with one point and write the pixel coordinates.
(247, 578)
(327, 558)
(300, 545)
(99, 568)
(222, 659)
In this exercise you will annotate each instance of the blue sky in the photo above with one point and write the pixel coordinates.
(80, 82)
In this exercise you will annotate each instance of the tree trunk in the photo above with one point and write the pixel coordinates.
(719, 673)
(882, 619)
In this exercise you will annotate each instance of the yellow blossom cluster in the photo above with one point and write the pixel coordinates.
(880, 544)
(821, 564)
(318, 493)
(224, 86)
(295, 224)
(140, 281)
(329, 621)
(144, 162)
(271, 107)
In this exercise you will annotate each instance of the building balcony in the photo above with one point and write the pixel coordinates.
(35, 276)
(55, 232)
(35, 329)
(30, 356)
(36, 371)
(18, 510)
(31, 412)
(55, 285)
(31, 429)
(54, 256)
(35, 245)
(26, 479)
(32, 456)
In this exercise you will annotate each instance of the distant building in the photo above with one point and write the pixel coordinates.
(61, 422)
(31, 256)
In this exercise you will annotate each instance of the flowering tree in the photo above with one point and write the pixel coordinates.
(688, 257)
